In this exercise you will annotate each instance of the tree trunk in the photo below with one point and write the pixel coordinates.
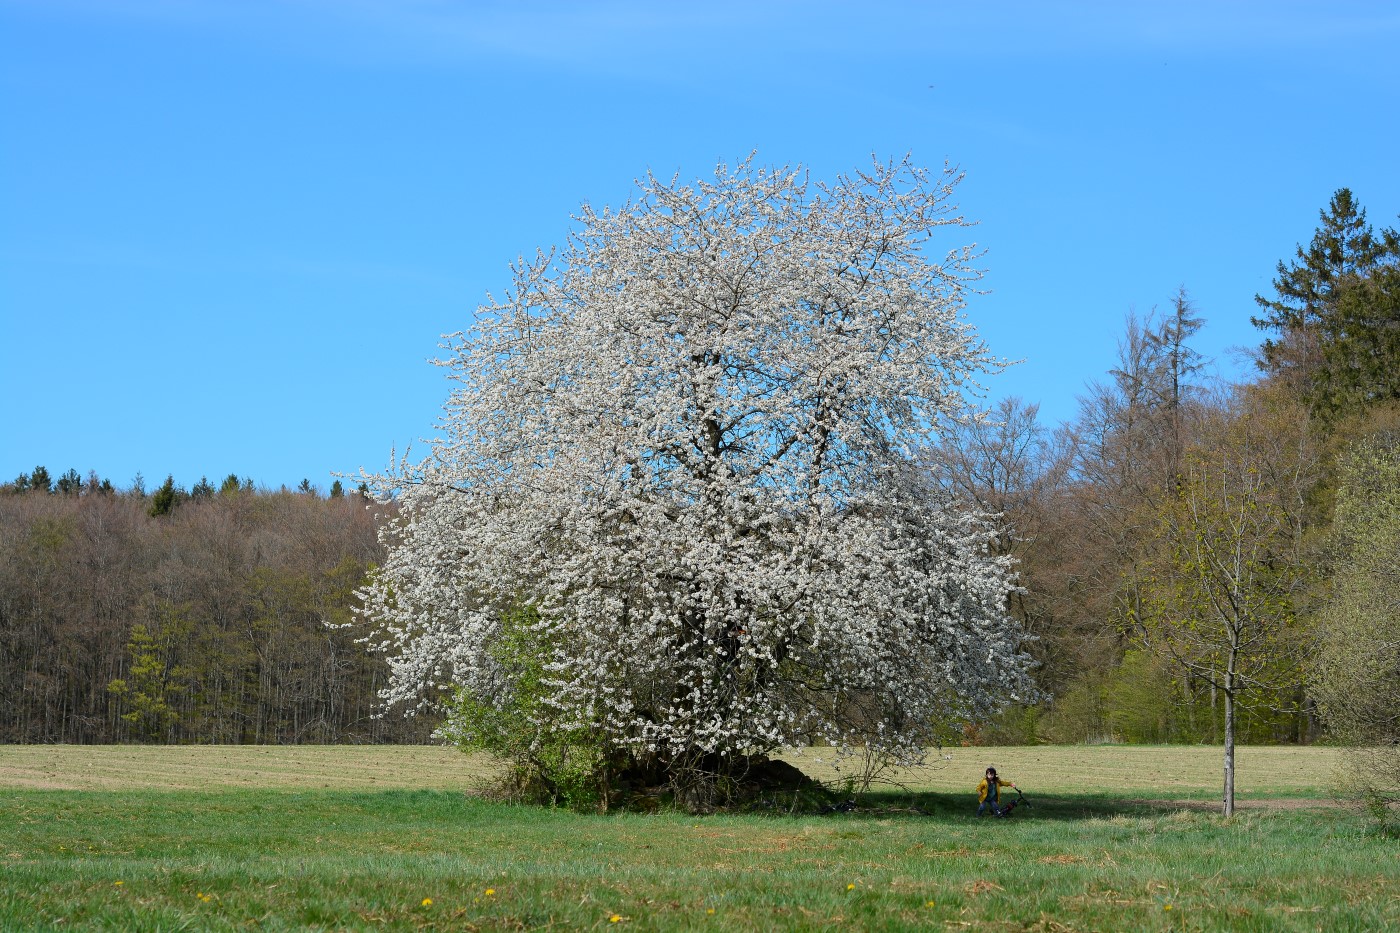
(1229, 743)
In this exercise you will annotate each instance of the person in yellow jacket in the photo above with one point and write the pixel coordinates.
(989, 792)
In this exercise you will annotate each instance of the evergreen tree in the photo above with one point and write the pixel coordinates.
(1343, 253)
(202, 489)
(1360, 362)
(164, 499)
(229, 485)
(41, 480)
(70, 483)
(337, 490)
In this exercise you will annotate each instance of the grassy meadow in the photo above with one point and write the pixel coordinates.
(224, 838)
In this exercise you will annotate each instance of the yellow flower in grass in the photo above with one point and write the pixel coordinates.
(1166, 907)
(427, 902)
(490, 892)
(118, 884)
(710, 911)
(615, 918)
(931, 904)
(850, 887)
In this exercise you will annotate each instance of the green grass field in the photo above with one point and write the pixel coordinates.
(385, 838)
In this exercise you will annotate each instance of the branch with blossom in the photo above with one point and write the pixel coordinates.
(685, 443)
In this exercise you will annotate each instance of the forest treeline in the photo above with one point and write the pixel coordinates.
(1179, 538)
(1178, 543)
(185, 616)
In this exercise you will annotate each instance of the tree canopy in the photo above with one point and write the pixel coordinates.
(1334, 311)
(1357, 677)
(678, 470)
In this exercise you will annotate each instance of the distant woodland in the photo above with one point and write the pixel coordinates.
(1183, 545)
(185, 616)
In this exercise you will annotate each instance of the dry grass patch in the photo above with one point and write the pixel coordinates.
(981, 886)
(1167, 776)
(210, 767)
(1128, 770)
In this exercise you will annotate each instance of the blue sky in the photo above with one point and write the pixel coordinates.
(232, 231)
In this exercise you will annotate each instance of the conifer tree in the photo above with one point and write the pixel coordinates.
(41, 480)
(164, 498)
(70, 483)
(1315, 347)
(1360, 363)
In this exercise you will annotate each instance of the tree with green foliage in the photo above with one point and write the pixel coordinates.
(563, 765)
(164, 499)
(337, 490)
(151, 685)
(1357, 671)
(1215, 590)
(202, 489)
(1316, 346)
(69, 484)
(1360, 362)
(230, 485)
(40, 480)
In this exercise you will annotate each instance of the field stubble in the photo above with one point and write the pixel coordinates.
(1190, 772)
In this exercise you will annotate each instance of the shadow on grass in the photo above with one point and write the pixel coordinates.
(1059, 807)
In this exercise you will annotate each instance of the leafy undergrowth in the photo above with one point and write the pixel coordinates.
(405, 860)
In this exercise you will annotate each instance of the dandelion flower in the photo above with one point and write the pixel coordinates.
(710, 911)
(931, 904)
(118, 883)
(490, 892)
(427, 902)
(1166, 907)
(850, 887)
(615, 918)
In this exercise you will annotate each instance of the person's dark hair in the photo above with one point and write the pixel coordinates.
(992, 772)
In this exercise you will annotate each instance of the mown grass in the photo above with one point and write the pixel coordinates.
(282, 858)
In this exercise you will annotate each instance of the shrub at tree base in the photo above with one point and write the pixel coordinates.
(674, 522)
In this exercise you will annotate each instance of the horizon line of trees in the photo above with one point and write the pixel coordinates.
(167, 495)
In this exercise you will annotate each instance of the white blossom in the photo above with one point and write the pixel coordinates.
(685, 440)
